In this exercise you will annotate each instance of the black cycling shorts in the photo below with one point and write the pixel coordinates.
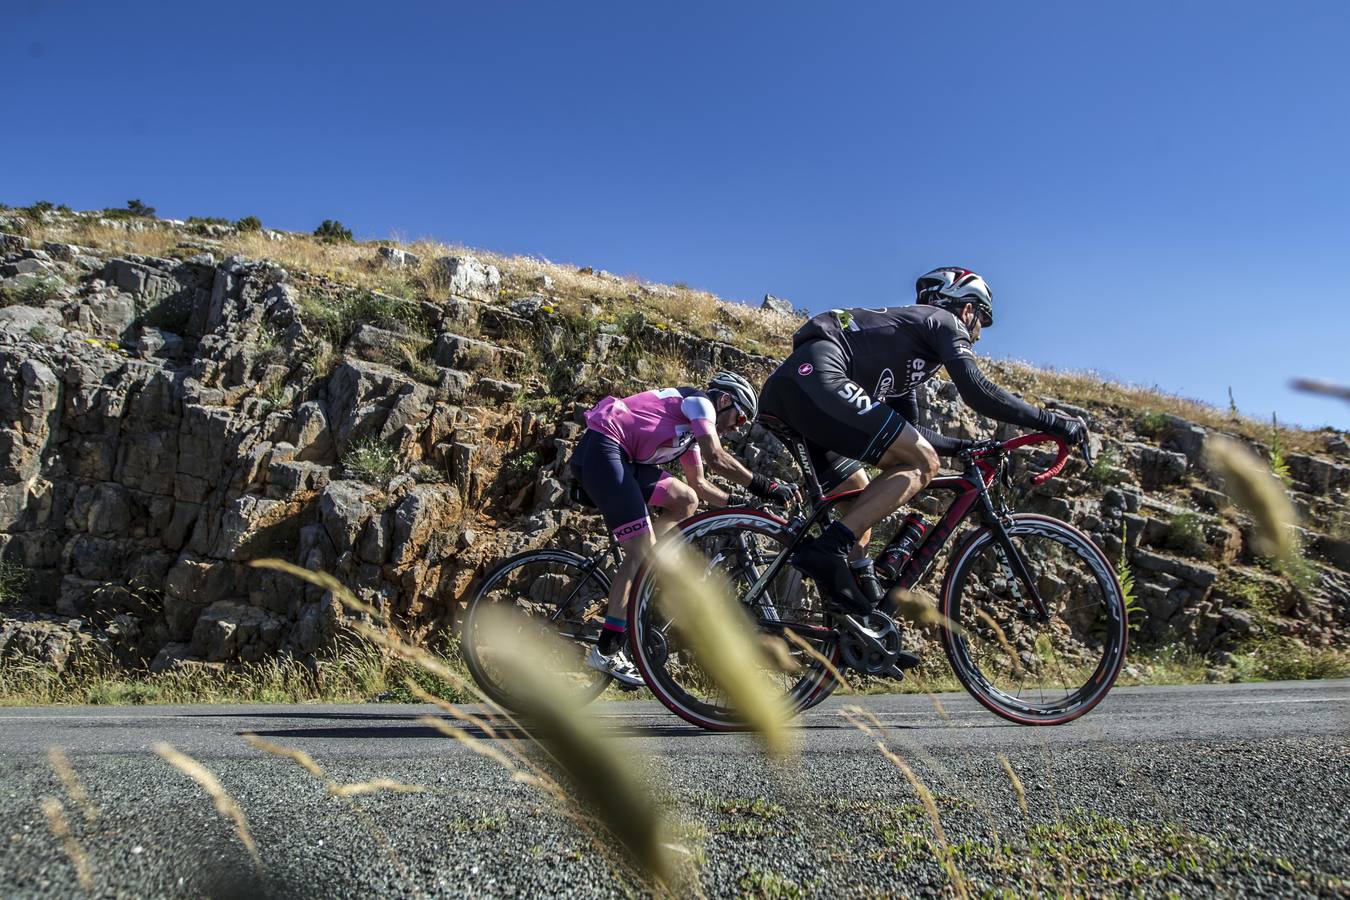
(620, 487)
(842, 425)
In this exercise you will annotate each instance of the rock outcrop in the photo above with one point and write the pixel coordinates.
(166, 420)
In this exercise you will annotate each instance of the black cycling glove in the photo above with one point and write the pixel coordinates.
(1072, 429)
(767, 488)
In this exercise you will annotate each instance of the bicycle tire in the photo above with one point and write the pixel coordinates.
(963, 627)
(812, 687)
(598, 582)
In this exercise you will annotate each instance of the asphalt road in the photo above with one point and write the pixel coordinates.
(1221, 790)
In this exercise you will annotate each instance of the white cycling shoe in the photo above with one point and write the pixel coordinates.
(617, 666)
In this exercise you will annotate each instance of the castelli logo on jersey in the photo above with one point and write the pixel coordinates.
(805, 369)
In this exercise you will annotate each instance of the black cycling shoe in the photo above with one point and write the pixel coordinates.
(831, 571)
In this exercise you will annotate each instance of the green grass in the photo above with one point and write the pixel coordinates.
(759, 882)
(1186, 535)
(13, 582)
(35, 293)
(1278, 658)
(372, 461)
(337, 314)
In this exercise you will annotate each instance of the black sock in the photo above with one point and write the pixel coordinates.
(611, 635)
(837, 538)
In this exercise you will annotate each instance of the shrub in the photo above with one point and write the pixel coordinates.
(207, 220)
(248, 223)
(135, 209)
(1150, 423)
(35, 293)
(1186, 534)
(371, 460)
(333, 231)
(35, 211)
(1278, 464)
(13, 582)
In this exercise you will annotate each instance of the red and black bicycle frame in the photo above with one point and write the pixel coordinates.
(971, 489)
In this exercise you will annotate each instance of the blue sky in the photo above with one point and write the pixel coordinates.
(1158, 191)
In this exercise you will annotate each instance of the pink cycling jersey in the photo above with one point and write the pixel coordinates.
(655, 427)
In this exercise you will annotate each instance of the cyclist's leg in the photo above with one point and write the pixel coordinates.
(812, 392)
(838, 474)
(611, 480)
(671, 500)
(907, 465)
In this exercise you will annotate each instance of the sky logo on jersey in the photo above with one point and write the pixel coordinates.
(855, 395)
(805, 369)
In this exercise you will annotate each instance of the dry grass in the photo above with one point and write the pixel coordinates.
(373, 786)
(855, 716)
(581, 291)
(1250, 484)
(60, 764)
(60, 829)
(1015, 781)
(723, 639)
(608, 795)
(224, 803)
(1090, 389)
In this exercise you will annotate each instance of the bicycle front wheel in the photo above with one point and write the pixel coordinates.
(554, 591)
(1026, 671)
(740, 544)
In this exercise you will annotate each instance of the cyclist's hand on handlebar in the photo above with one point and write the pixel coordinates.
(783, 493)
(775, 491)
(1072, 429)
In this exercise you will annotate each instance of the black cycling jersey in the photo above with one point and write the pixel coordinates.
(851, 382)
(891, 351)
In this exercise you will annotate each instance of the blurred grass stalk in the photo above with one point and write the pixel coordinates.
(224, 803)
(1251, 485)
(697, 599)
(601, 774)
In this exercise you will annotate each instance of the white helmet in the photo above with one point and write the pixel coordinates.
(950, 287)
(742, 395)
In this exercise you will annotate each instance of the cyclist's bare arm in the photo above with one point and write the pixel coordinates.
(711, 449)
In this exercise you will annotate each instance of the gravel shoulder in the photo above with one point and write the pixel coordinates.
(1210, 790)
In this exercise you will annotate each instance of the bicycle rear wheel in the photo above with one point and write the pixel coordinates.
(740, 544)
(557, 592)
(1029, 672)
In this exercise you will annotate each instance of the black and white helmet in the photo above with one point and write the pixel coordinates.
(950, 287)
(738, 389)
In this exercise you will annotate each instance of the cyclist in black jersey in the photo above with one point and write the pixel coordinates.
(850, 389)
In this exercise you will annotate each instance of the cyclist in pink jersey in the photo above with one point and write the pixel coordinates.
(617, 462)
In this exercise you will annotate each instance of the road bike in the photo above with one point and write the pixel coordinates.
(558, 592)
(1032, 616)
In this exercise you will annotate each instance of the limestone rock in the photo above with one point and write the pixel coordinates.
(467, 277)
(344, 507)
(396, 258)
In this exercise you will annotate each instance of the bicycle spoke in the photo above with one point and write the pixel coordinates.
(1050, 669)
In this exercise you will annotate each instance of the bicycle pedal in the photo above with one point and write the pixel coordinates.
(625, 686)
(906, 660)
